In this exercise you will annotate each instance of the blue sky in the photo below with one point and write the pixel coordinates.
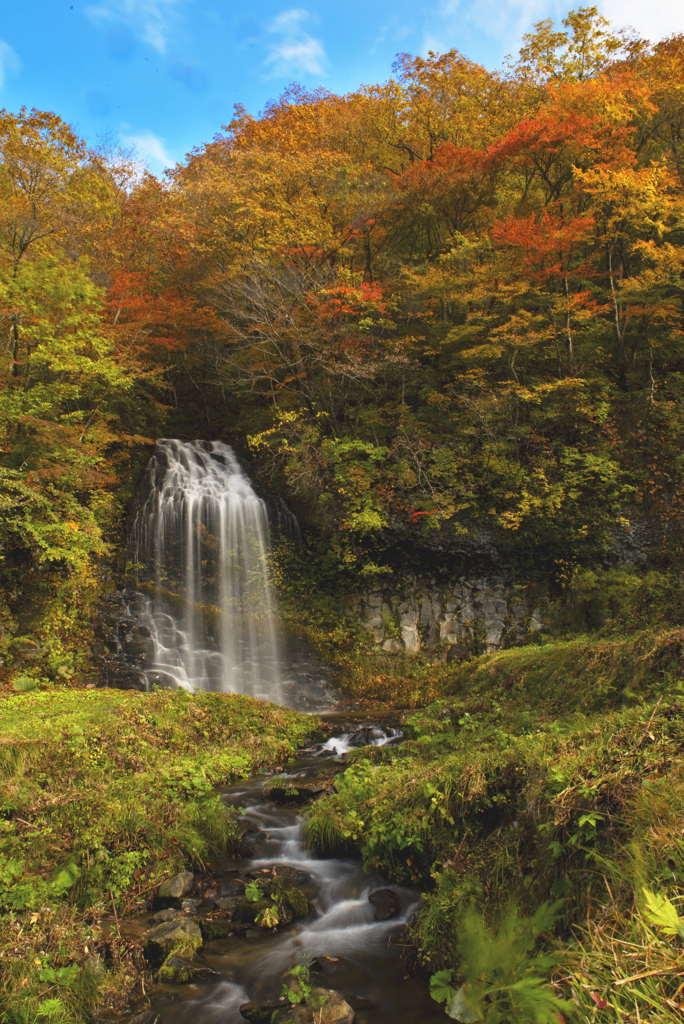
(163, 75)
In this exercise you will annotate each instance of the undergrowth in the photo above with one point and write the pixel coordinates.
(103, 794)
(491, 804)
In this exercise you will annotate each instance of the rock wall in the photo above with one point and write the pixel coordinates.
(463, 616)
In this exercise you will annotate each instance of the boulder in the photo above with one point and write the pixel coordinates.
(291, 874)
(330, 965)
(179, 970)
(220, 928)
(262, 1013)
(166, 915)
(385, 903)
(179, 934)
(328, 1008)
(228, 903)
(235, 887)
(176, 887)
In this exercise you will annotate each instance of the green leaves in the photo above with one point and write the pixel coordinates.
(504, 978)
(441, 988)
(253, 892)
(63, 878)
(661, 914)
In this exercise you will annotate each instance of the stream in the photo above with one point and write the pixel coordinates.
(365, 964)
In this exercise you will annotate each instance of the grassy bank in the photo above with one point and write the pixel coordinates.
(104, 794)
(542, 775)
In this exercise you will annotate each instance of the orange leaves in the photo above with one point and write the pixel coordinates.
(545, 247)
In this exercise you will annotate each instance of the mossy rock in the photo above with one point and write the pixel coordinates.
(181, 936)
(296, 901)
(216, 929)
(176, 970)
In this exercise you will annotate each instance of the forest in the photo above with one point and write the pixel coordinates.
(442, 307)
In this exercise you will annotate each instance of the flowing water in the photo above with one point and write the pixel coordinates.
(199, 549)
(343, 926)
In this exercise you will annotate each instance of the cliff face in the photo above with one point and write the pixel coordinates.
(466, 615)
(480, 607)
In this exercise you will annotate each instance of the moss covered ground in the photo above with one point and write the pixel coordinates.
(104, 794)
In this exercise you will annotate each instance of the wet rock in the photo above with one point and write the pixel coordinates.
(179, 970)
(189, 906)
(330, 965)
(170, 935)
(253, 933)
(176, 887)
(290, 874)
(219, 928)
(166, 915)
(228, 903)
(385, 904)
(298, 791)
(119, 675)
(233, 888)
(328, 1008)
(262, 1013)
(176, 970)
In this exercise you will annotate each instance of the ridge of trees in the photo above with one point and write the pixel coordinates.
(451, 299)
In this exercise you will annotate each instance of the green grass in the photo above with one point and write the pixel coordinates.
(104, 793)
(556, 773)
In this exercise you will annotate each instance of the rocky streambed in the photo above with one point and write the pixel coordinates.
(278, 936)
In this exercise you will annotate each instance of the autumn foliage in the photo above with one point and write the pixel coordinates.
(450, 301)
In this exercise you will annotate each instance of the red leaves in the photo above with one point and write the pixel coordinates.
(601, 1001)
(546, 243)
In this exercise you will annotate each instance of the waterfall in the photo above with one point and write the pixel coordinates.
(199, 553)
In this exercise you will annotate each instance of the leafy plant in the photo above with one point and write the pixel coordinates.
(504, 978)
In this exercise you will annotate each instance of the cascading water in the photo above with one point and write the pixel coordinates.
(199, 550)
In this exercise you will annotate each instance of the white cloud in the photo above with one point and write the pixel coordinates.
(464, 24)
(151, 20)
(295, 52)
(483, 29)
(149, 148)
(9, 61)
(652, 21)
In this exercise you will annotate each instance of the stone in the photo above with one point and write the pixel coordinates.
(236, 886)
(189, 906)
(176, 970)
(176, 887)
(166, 915)
(262, 1013)
(228, 903)
(181, 933)
(330, 965)
(385, 903)
(392, 646)
(216, 928)
(290, 874)
(333, 1009)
